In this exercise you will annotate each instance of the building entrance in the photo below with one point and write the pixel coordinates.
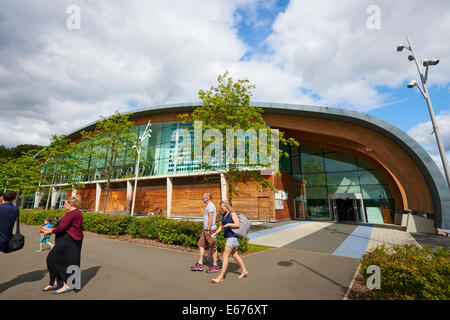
(346, 207)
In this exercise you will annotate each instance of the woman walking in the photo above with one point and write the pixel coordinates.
(229, 220)
(67, 249)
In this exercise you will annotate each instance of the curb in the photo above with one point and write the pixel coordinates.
(351, 284)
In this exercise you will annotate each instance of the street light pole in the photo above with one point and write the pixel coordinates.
(426, 95)
(145, 134)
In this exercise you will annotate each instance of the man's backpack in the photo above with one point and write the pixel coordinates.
(242, 231)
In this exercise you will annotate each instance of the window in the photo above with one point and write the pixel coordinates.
(335, 162)
(312, 164)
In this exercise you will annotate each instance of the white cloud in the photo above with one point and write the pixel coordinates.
(422, 133)
(141, 52)
(329, 45)
(55, 80)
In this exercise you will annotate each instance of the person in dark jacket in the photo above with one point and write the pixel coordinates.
(67, 249)
(8, 216)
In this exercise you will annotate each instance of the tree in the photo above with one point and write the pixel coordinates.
(227, 107)
(17, 151)
(111, 139)
(21, 174)
(60, 161)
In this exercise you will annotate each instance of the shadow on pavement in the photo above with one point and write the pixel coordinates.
(233, 267)
(32, 276)
(87, 275)
(431, 240)
(289, 264)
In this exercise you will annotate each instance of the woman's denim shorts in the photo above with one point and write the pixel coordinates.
(232, 242)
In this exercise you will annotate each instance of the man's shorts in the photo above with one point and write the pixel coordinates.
(45, 239)
(207, 240)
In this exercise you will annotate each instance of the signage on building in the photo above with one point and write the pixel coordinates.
(281, 195)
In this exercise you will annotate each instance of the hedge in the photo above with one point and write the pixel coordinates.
(163, 229)
(409, 272)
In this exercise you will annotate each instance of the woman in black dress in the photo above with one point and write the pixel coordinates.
(67, 249)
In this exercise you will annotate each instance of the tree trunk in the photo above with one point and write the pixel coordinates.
(22, 202)
(108, 178)
(48, 198)
(107, 187)
(230, 192)
(105, 199)
(51, 189)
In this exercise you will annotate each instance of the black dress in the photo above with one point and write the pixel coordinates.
(65, 253)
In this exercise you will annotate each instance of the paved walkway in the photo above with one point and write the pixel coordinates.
(390, 237)
(346, 240)
(112, 269)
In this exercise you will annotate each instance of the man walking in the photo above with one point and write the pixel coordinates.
(209, 227)
(8, 216)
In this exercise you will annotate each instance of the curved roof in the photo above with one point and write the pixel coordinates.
(435, 180)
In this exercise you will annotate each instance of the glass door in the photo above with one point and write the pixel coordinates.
(333, 210)
(299, 206)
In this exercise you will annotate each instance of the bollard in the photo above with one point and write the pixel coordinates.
(251, 217)
(265, 218)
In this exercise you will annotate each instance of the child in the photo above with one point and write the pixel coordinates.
(45, 239)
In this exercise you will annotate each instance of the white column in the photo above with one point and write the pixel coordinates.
(223, 187)
(98, 192)
(55, 196)
(74, 192)
(129, 192)
(37, 199)
(169, 195)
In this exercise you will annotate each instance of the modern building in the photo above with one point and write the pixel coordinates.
(349, 167)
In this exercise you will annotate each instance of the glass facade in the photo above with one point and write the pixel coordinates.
(158, 154)
(317, 173)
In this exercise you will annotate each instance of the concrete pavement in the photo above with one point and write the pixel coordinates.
(113, 269)
(347, 240)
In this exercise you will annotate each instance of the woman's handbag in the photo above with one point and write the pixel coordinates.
(17, 241)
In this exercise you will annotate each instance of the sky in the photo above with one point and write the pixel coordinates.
(64, 64)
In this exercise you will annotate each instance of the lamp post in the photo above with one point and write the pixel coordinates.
(424, 77)
(147, 133)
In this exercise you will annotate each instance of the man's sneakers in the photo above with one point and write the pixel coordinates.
(205, 260)
(213, 269)
(197, 267)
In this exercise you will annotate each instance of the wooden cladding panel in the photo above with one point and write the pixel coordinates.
(117, 200)
(149, 199)
(187, 201)
(87, 196)
(247, 201)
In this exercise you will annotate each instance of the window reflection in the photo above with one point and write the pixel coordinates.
(319, 172)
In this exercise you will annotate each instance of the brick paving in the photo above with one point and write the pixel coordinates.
(390, 237)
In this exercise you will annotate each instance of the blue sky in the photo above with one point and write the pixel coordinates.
(403, 107)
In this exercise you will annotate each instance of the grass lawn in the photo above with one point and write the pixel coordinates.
(252, 248)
